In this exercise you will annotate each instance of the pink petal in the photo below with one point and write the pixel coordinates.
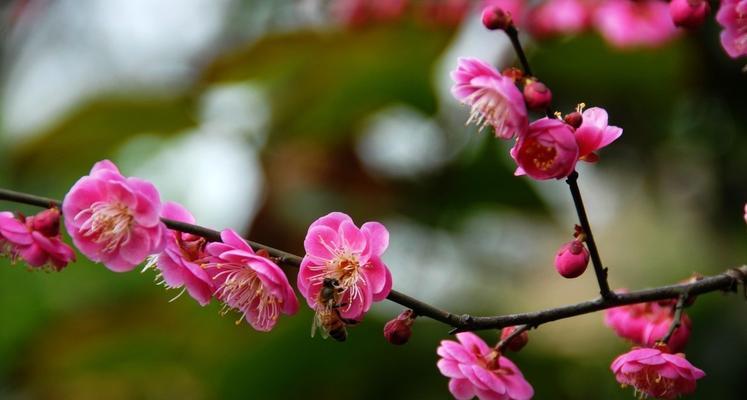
(461, 389)
(379, 277)
(148, 208)
(331, 220)
(352, 238)
(104, 165)
(33, 255)
(177, 212)
(473, 343)
(489, 395)
(449, 368)
(489, 379)
(378, 238)
(320, 242)
(231, 238)
(469, 373)
(136, 247)
(458, 352)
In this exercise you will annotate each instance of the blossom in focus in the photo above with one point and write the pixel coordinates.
(337, 249)
(494, 98)
(655, 373)
(13, 233)
(625, 23)
(732, 15)
(46, 248)
(559, 17)
(548, 150)
(689, 13)
(572, 259)
(646, 323)
(475, 369)
(248, 283)
(595, 133)
(180, 263)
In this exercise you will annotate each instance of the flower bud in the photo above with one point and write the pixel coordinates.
(689, 14)
(494, 18)
(46, 222)
(518, 342)
(572, 259)
(537, 95)
(399, 330)
(574, 119)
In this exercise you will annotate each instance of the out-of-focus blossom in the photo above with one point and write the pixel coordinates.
(46, 248)
(357, 13)
(657, 328)
(689, 13)
(559, 17)
(537, 95)
(655, 373)
(448, 13)
(515, 8)
(495, 18)
(646, 323)
(625, 23)
(518, 342)
(180, 263)
(474, 369)
(595, 133)
(248, 283)
(494, 98)
(399, 330)
(13, 233)
(548, 150)
(114, 220)
(337, 249)
(732, 15)
(572, 259)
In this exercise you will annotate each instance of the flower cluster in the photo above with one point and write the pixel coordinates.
(35, 239)
(645, 324)
(732, 15)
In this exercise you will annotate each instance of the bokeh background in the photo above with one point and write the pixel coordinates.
(264, 115)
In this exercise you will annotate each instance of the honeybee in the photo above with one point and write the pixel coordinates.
(327, 317)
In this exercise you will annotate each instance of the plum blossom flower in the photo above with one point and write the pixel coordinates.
(46, 248)
(732, 15)
(548, 150)
(13, 234)
(625, 23)
(337, 249)
(595, 133)
(494, 98)
(475, 369)
(646, 323)
(180, 264)
(559, 17)
(655, 373)
(251, 284)
(113, 219)
(689, 13)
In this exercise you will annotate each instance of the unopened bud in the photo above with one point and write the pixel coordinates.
(399, 330)
(689, 13)
(518, 342)
(494, 18)
(574, 119)
(46, 222)
(537, 95)
(572, 259)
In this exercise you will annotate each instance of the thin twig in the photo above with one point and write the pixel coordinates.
(677, 319)
(513, 35)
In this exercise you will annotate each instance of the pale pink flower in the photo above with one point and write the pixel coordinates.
(689, 13)
(655, 373)
(494, 98)
(337, 249)
(646, 323)
(548, 150)
(46, 248)
(248, 283)
(625, 23)
(113, 219)
(595, 133)
(13, 234)
(180, 263)
(475, 369)
(572, 259)
(559, 17)
(732, 15)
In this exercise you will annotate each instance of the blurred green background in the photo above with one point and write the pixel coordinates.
(264, 115)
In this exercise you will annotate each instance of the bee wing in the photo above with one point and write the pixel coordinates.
(317, 324)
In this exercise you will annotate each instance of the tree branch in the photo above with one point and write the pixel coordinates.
(677, 319)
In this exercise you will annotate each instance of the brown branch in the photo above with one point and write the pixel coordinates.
(677, 319)
(728, 281)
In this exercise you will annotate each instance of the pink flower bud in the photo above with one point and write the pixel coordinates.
(574, 119)
(518, 342)
(399, 330)
(689, 13)
(537, 95)
(46, 222)
(494, 18)
(572, 259)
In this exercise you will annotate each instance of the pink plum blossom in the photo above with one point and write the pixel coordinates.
(46, 248)
(646, 323)
(475, 369)
(689, 13)
(655, 373)
(336, 248)
(548, 150)
(13, 234)
(113, 219)
(249, 283)
(594, 133)
(181, 262)
(732, 15)
(656, 329)
(572, 259)
(494, 98)
(625, 23)
(559, 17)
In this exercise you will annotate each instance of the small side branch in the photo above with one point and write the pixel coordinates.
(501, 346)
(677, 319)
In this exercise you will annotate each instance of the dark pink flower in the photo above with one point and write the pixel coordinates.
(732, 15)
(181, 262)
(594, 133)
(572, 259)
(337, 249)
(46, 248)
(655, 373)
(646, 323)
(248, 283)
(625, 23)
(689, 13)
(548, 150)
(515, 8)
(559, 17)
(475, 369)
(448, 13)
(112, 219)
(657, 328)
(494, 98)
(13, 234)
